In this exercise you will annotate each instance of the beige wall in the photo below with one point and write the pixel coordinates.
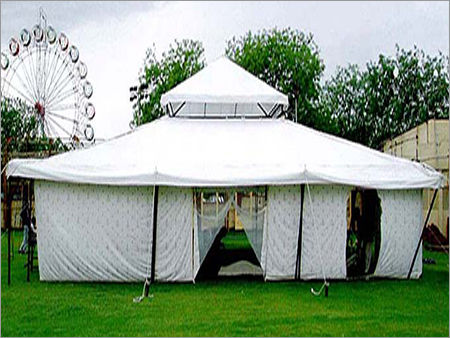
(428, 143)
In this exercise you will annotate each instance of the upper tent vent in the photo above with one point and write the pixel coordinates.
(224, 90)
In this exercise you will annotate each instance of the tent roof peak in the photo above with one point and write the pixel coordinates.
(221, 89)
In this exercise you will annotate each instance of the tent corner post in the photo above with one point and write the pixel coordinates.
(421, 233)
(299, 238)
(155, 217)
(7, 219)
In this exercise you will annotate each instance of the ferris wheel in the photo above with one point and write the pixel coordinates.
(44, 72)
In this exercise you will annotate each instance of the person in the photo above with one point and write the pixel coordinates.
(33, 231)
(25, 216)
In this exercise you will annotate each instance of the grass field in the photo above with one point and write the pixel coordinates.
(226, 307)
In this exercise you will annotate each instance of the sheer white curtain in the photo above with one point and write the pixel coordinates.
(253, 221)
(209, 218)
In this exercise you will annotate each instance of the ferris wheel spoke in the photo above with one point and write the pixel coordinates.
(25, 97)
(33, 73)
(58, 68)
(51, 71)
(63, 85)
(51, 131)
(39, 72)
(63, 96)
(28, 76)
(25, 86)
(44, 80)
(63, 107)
(56, 82)
(52, 113)
(59, 126)
(46, 126)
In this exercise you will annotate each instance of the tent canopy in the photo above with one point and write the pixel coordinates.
(223, 89)
(229, 152)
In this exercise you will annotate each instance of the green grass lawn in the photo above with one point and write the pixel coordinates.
(226, 307)
(236, 240)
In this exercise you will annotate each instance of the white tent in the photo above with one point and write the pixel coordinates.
(106, 211)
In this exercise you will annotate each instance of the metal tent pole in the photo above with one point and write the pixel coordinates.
(421, 234)
(155, 217)
(300, 229)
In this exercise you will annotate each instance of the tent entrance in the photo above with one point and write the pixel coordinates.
(230, 255)
(236, 246)
(363, 232)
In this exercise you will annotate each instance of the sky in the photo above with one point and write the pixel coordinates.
(112, 37)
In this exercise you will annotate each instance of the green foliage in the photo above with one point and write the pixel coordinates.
(21, 129)
(289, 61)
(180, 62)
(388, 97)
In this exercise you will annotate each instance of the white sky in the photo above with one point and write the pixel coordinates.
(112, 36)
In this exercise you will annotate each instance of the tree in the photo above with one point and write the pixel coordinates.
(388, 97)
(289, 61)
(20, 129)
(180, 62)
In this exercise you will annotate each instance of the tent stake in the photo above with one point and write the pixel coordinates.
(421, 234)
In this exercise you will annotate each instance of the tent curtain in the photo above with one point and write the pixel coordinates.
(93, 233)
(208, 220)
(401, 227)
(324, 232)
(253, 222)
(279, 254)
(174, 234)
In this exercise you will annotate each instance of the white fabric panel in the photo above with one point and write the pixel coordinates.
(281, 237)
(174, 235)
(93, 233)
(207, 226)
(324, 232)
(401, 227)
(254, 223)
(210, 153)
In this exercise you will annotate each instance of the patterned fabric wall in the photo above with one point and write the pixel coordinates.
(401, 227)
(93, 232)
(174, 235)
(324, 238)
(279, 253)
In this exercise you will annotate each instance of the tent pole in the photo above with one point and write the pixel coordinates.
(7, 219)
(421, 234)
(155, 217)
(299, 240)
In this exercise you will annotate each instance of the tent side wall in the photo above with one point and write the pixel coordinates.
(401, 228)
(174, 240)
(280, 237)
(324, 232)
(93, 232)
